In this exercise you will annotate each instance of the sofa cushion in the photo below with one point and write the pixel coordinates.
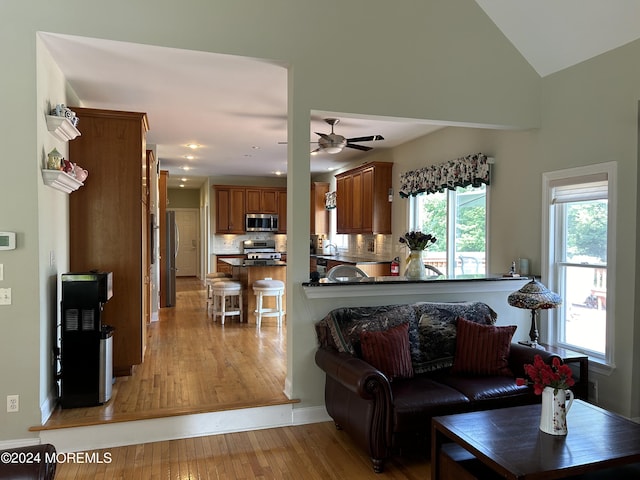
(482, 349)
(388, 351)
(417, 400)
(478, 389)
(436, 344)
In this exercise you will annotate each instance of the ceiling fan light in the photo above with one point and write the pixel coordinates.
(332, 150)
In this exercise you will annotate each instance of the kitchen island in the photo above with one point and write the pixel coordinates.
(246, 274)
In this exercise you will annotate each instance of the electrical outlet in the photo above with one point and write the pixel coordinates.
(13, 403)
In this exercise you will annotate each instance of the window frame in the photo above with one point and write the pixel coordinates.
(412, 221)
(551, 275)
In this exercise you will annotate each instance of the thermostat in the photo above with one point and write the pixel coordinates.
(7, 240)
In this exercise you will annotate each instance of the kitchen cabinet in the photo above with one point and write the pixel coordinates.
(261, 200)
(362, 202)
(224, 267)
(162, 240)
(230, 209)
(319, 215)
(233, 202)
(282, 211)
(108, 222)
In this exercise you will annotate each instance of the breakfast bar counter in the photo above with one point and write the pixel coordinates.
(390, 285)
(247, 274)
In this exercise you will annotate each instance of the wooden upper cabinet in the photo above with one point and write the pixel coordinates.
(281, 199)
(319, 223)
(362, 201)
(230, 209)
(108, 222)
(261, 200)
(233, 202)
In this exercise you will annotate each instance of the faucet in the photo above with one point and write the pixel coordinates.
(335, 248)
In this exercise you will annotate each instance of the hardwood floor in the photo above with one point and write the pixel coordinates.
(193, 365)
(315, 451)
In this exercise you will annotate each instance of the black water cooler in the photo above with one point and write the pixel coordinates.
(86, 345)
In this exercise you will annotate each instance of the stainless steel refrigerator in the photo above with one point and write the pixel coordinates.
(172, 245)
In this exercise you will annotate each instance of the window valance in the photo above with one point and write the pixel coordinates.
(462, 172)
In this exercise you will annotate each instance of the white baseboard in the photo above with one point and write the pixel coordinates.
(183, 426)
(19, 442)
(48, 406)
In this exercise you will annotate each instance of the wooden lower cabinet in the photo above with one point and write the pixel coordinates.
(108, 220)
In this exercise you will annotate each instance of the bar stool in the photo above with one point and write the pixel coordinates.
(268, 288)
(222, 291)
(210, 279)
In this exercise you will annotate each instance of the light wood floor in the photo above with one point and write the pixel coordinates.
(316, 451)
(193, 365)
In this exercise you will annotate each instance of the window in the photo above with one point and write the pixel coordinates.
(458, 219)
(580, 222)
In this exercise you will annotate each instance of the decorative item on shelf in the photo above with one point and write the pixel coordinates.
(54, 160)
(61, 110)
(534, 296)
(80, 173)
(417, 243)
(330, 200)
(67, 167)
(553, 383)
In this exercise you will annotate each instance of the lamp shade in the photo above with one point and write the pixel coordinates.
(534, 296)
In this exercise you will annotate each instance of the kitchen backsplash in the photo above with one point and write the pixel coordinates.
(228, 244)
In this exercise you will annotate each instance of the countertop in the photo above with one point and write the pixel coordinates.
(391, 280)
(353, 259)
(239, 262)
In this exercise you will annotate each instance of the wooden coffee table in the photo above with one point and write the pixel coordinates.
(507, 443)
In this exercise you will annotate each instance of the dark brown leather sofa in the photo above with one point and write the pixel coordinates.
(388, 416)
(34, 462)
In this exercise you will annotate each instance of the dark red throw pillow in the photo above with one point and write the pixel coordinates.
(482, 349)
(388, 351)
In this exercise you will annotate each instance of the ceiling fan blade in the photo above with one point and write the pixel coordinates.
(323, 135)
(359, 147)
(371, 138)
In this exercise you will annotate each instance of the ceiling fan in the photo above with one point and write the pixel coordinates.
(334, 143)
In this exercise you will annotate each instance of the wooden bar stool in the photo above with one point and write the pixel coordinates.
(221, 292)
(210, 279)
(268, 288)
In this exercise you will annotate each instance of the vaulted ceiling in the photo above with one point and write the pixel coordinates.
(220, 102)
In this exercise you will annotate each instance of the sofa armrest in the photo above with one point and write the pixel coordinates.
(353, 373)
(32, 462)
(523, 354)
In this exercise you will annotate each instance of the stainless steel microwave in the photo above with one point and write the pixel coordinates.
(261, 222)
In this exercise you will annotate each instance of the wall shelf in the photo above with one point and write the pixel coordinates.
(60, 181)
(62, 128)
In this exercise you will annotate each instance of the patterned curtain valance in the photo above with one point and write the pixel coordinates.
(462, 172)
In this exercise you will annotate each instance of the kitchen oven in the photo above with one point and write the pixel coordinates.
(260, 252)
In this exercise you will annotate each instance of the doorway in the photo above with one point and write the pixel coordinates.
(187, 220)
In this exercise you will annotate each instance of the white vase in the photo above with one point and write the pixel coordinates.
(415, 267)
(553, 418)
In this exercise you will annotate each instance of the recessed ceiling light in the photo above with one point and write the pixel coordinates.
(278, 172)
(183, 180)
(189, 157)
(186, 167)
(256, 147)
(181, 185)
(193, 146)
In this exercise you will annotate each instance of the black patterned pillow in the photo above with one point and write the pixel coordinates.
(346, 324)
(436, 345)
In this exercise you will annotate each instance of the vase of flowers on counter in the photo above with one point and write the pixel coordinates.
(417, 242)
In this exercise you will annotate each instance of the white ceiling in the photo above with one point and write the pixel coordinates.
(220, 102)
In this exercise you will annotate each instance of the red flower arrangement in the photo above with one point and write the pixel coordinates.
(556, 375)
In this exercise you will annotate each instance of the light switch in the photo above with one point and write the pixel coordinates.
(5, 296)
(1, 271)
